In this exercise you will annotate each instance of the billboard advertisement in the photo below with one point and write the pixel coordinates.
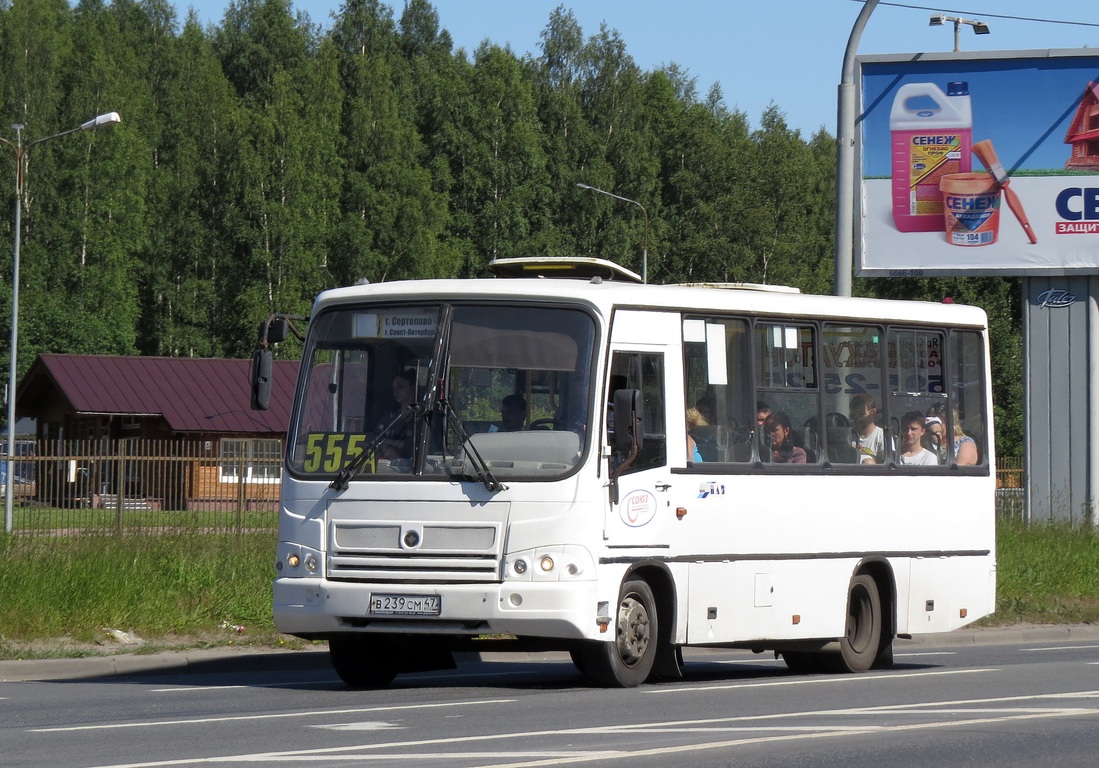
(978, 164)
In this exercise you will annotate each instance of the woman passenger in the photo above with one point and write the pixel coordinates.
(784, 447)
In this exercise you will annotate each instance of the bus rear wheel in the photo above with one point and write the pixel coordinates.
(861, 639)
(363, 661)
(628, 661)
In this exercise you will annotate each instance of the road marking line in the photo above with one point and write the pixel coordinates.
(184, 688)
(831, 680)
(1061, 648)
(239, 718)
(928, 653)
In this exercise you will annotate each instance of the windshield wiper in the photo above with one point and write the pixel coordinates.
(361, 459)
(480, 466)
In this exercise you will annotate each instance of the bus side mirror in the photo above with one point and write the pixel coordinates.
(261, 378)
(278, 330)
(627, 420)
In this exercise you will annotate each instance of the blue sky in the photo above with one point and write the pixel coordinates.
(789, 52)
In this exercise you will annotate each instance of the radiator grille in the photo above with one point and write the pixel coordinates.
(429, 552)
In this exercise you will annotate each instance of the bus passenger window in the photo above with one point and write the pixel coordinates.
(719, 404)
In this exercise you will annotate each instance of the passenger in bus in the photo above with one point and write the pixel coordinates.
(707, 405)
(397, 441)
(785, 443)
(869, 436)
(763, 412)
(513, 414)
(964, 448)
(694, 420)
(912, 450)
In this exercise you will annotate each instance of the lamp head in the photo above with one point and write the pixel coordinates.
(109, 118)
(937, 20)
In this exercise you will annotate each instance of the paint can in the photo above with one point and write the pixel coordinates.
(971, 204)
(931, 136)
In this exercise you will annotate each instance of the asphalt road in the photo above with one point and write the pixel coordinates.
(999, 698)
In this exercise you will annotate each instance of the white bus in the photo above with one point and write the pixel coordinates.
(574, 460)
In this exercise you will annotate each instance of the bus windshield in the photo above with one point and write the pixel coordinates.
(510, 395)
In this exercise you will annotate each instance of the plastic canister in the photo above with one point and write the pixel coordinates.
(972, 205)
(932, 136)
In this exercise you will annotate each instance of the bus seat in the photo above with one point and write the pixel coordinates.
(841, 445)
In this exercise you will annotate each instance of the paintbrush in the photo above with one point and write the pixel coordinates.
(987, 155)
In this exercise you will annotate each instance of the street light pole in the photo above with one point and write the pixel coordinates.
(645, 245)
(845, 159)
(109, 118)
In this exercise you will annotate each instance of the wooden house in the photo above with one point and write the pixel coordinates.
(178, 432)
(1083, 132)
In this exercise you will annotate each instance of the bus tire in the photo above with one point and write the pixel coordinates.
(628, 661)
(363, 661)
(885, 655)
(861, 641)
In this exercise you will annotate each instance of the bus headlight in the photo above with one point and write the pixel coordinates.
(296, 560)
(553, 564)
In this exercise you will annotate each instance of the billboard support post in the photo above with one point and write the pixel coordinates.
(845, 159)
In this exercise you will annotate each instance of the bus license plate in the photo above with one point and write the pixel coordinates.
(406, 605)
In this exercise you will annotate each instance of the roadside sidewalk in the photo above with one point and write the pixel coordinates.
(242, 658)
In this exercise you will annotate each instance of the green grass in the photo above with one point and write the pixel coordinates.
(58, 594)
(32, 519)
(1046, 573)
(171, 590)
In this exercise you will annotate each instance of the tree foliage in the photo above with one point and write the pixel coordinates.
(266, 158)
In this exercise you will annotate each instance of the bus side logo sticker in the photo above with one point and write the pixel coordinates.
(711, 489)
(637, 509)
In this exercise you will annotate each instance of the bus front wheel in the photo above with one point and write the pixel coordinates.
(363, 661)
(628, 661)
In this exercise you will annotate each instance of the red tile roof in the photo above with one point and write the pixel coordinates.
(191, 394)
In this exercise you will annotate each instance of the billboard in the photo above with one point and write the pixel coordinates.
(978, 164)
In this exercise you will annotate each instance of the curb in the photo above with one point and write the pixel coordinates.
(1037, 633)
(192, 662)
(240, 659)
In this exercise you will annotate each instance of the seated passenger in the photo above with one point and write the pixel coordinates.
(869, 440)
(912, 451)
(513, 414)
(694, 419)
(784, 441)
(763, 412)
(965, 447)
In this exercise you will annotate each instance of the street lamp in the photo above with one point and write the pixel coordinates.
(979, 27)
(21, 149)
(645, 245)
